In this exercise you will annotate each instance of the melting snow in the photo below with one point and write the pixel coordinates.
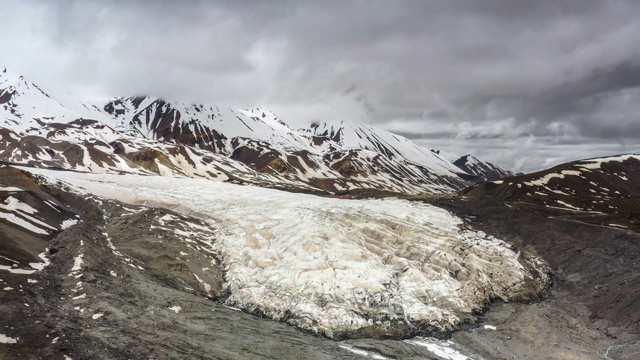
(442, 349)
(10, 189)
(68, 223)
(22, 223)
(597, 163)
(361, 352)
(4, 339)
(545, 179)
(45, 262)
(567, 205)
(175, 308)
(77, 263)
(16, 271)
(95, 316)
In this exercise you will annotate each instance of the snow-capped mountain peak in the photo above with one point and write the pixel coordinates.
(24, 106)
(363, 136)
(485, 170)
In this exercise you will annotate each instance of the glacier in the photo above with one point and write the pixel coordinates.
(336, 267)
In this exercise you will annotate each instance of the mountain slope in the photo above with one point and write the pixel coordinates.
(485, 170)
(362, 136)
(602, 191)
(146, 134)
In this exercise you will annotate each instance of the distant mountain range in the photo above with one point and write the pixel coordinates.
(148, 135)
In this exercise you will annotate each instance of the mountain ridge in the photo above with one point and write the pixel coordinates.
(331, 158)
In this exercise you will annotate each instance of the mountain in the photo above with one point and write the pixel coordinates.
(151, 135)
(25, 107)
(126, 229)
(485, 170)
(604, 191)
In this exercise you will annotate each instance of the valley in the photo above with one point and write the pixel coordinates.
(148, 227)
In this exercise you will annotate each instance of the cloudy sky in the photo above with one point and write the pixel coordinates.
(524, 84)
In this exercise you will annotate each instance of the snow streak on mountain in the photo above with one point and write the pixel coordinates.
(603, 191)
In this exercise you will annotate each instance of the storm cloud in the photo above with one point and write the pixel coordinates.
(524, 84)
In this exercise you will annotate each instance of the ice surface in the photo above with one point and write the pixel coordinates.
(331, 265)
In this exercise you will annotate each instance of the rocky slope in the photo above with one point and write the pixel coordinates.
(592, 313)
(604, 191)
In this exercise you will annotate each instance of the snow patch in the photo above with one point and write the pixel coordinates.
(77, 263)
(361, 352)
(4, 339)
(442, 349)
(10, 189)
(68, 223)
(45, 261)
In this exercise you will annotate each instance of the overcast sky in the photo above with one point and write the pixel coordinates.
(524, 84)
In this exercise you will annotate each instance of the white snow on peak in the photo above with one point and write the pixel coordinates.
(363, 136)
(23, 104)
(139, 113)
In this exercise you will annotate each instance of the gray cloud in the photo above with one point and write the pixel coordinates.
(523, 84)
